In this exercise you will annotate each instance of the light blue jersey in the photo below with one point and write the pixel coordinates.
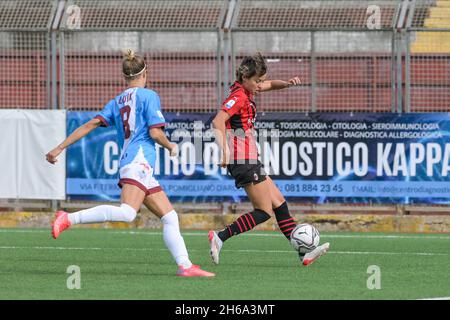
(133, 112)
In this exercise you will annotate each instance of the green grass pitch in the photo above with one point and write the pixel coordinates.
(134, 264)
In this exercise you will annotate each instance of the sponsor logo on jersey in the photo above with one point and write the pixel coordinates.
(159, 114)
(230, 103)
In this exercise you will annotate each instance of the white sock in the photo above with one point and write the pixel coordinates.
(173, 239)
(103, 213)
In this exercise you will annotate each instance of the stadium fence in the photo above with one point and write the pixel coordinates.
(352, 56)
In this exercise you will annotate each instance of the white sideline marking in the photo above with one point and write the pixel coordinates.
(281, 236)
(440, 298)
(21, 231)
(351, 252)
(229, 250)
(204, 234)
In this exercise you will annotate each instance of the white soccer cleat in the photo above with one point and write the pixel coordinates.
(312, 256)
(216, 245)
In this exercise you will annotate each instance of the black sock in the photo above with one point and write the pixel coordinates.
(285, 221)
(244, 223)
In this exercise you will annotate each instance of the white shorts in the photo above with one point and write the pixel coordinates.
(139, 174)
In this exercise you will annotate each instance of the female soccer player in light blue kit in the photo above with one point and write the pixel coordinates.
(136, 113)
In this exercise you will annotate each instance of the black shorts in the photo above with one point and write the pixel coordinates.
(246, 173)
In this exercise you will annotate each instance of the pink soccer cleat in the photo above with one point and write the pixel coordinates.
(193, 271)
(60, 224)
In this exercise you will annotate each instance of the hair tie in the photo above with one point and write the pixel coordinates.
(133, 75)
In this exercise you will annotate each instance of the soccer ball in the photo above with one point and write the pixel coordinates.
(305, 238)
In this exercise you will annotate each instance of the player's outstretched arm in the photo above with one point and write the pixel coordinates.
(79, 133)
(269, 85)
(221, 136)
(159, 137)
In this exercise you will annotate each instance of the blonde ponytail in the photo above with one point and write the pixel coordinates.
(129, 55)
(132, 65)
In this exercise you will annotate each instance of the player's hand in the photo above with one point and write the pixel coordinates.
(294, 82)
(52, 155)
(225, 159)
(173, 150)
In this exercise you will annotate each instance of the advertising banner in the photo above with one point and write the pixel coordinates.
(312, 157)
(26, 137)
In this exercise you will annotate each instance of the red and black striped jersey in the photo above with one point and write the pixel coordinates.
(242, 110)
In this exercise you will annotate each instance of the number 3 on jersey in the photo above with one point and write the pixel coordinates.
(125, 114)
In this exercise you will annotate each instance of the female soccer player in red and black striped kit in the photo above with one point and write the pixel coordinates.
(240, 156)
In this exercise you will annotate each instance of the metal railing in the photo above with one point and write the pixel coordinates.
(343, 51)
(25, 70)
(352, 56)
(427, 57)
(179, 39)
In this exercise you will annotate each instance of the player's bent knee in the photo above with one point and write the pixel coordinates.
(129, 214)
(170, 218)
